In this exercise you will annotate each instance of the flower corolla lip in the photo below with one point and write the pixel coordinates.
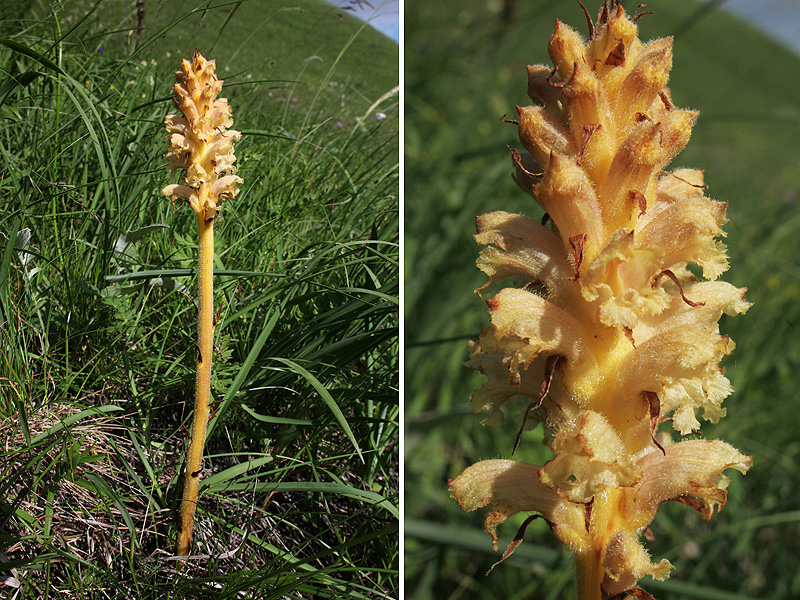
(176, 191)
(226, 186)
(510, 487)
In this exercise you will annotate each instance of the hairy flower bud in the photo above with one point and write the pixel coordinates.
(613, 333)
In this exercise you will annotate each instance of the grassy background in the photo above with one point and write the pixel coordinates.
(465, 68)
(97, 345)
(293, 44)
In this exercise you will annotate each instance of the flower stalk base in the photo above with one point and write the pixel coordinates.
(205, 329)
(590, 575)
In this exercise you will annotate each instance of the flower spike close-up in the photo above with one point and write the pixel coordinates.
(606, 320)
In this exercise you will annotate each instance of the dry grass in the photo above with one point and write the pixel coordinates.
(50, 507)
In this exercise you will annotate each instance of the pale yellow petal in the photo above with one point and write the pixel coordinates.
(510, 487)
(626, 561)
(521, 248)
(519, 314)
(693, 468)
(589, 457)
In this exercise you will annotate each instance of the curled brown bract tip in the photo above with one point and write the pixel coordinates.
(577, 243)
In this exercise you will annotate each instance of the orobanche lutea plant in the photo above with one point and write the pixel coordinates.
(201, 146)
(607, 331)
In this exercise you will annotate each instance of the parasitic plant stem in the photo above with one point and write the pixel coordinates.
(205, 335)
(590, 575)
(201, 147)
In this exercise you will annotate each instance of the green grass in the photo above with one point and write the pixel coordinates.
(295, 42)
(465, 68)
(97, 276)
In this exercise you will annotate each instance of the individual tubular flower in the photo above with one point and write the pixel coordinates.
(201, 146)
(607, 331)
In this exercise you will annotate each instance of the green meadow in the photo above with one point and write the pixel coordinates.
(299, 489)
(465, 69)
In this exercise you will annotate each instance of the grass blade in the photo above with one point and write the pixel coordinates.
(326, 397)
(215, 482)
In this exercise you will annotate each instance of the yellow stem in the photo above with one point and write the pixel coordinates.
(590, 574)
(205, 321)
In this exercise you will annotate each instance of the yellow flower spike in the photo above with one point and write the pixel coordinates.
(201, 146)
(607, 331)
